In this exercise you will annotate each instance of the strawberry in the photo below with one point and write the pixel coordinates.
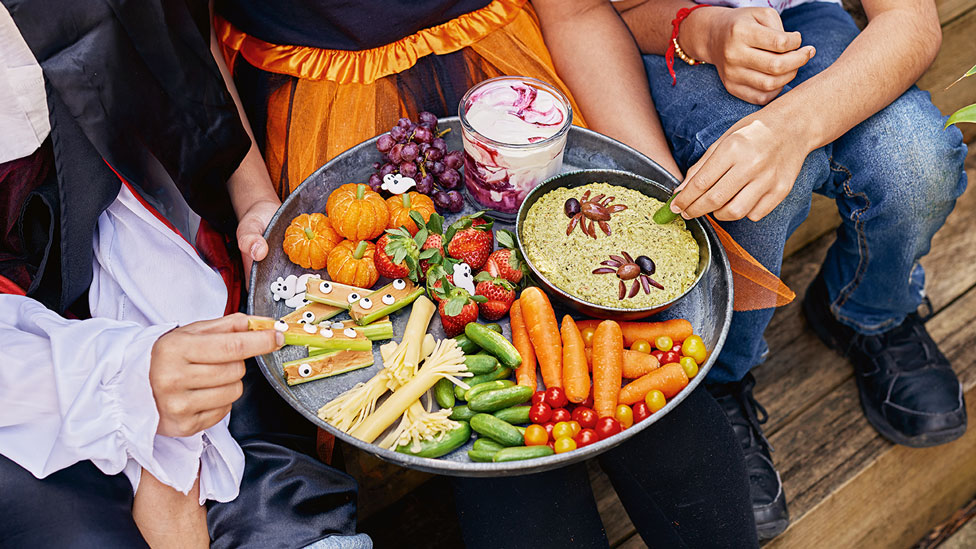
(435, 241)
(498, 293)
(469, 239)
(507, 261)
(457, 308)
(434, 285)
(401, 253)
(384, 262)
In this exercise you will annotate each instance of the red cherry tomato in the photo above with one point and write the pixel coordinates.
(540, 413)
(560, 414)
(670, 356)
(549, 426)
(676, 347)
(536, 435)
(586, 417)
(586, 437)
(659, 355)
(588, 403)
(641, 412)
(556, 397)
(538, 396)
(606, 427)
(552, 444)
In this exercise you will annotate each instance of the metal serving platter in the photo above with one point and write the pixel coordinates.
(708, 305)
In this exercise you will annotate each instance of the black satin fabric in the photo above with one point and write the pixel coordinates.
(129, 84)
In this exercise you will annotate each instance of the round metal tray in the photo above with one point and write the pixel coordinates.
(708, 306)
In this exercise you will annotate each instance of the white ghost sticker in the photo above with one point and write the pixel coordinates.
(397, 184)
(462, 277)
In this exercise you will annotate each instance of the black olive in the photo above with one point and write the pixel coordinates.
(646, 265)
(572, 207)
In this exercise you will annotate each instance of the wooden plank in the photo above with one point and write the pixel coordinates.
(958, 54)
(949, 10)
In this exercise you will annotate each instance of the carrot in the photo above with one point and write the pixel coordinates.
(636, 364)
(608, 359)
(677, 329)
(576, 377)
(525, 375)
(670, 379)
(540, 321)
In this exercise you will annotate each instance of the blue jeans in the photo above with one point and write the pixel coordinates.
(895, 177)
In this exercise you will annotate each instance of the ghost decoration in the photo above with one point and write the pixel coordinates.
(397, 184)
(291, 289)
(462, 277)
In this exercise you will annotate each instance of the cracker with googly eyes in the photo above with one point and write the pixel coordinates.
(323, 365)
(332, 293)
(385, 301)
(313, 335)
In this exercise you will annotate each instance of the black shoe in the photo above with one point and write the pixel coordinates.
(908, 390)
(765, 487)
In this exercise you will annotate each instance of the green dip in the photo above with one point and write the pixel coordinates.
(568, 261)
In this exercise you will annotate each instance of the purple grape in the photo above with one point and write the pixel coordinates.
(376, 165)
(385, 143)
(439, 143)
(435, 154)
(395, 153)
(399, 134)
(375, 182)
(409, 152)
(408, 169)
(442, 201)
(424, 147)
(427, 119)
(404, 122)
(455, 201)
(386, 169)
(449, 179)
(422, 135)
(454, 160)
(426, 184)
(437, 168)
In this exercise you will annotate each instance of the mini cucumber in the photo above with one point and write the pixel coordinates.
(486, 445)
(516, 453)
(498, 430)
(498, 373)
(485, 387)
(444, 393)
(482, 455)
(433, 448)
(514, 414)
(469, 347)
(492, 401)
(462, 413)
(494, 343)
(480, 363)
(664, 215)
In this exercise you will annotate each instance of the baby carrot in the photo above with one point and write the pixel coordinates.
(540, 321)
(677, 329)
(608, 358)
(525, 375)
(670, 379)
(636, 364)
(576, 377)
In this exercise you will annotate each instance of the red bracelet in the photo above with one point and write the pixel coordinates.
(682, 14)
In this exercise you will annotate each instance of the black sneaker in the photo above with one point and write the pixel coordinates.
(765, 486)
(908, 390)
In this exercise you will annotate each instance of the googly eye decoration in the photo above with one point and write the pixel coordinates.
(281, 326)
(296, 301)
(366, 303)
(325, 287)
(309, 328)
(353, 297)
(399, 284)
(337, 326)
(305, 370)
(325, 332)
(308, 316)
(349, 332)
(388, 299)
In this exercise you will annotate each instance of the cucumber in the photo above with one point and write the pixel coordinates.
(482, 455)
(480, 363)
(500, 372)
(492, 401)
(500, 431)
(462, 413)
(433, 448)
(664, 214)
(486, 445)
(444, 393)
(485, 387)
(469, 347)
(516, 453)
(514, 414)
(494, 343)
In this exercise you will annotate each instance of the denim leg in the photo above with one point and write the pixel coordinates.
(897, 177)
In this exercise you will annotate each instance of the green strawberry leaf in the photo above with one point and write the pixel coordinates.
(483, 276)
(436, 223)
(399, 255)
(420, 237)
(478, 298)
(505, 239)
(429, 253)
(417, 218)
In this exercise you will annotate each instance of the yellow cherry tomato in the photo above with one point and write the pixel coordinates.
(641, 346)
(564, 444)
(655, 400)
(536, 435)
(690, 366)
(587, 334)
(695, 348)
(562, 430)
(664, 343)
(576, 427)
(624, 415)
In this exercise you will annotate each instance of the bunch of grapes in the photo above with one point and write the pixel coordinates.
(417, 151)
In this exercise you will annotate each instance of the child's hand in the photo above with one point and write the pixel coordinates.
(250, 233)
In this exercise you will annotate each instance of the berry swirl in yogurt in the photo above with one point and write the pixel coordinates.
(514, 133)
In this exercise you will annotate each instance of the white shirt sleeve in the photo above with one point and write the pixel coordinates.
(23, 101)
